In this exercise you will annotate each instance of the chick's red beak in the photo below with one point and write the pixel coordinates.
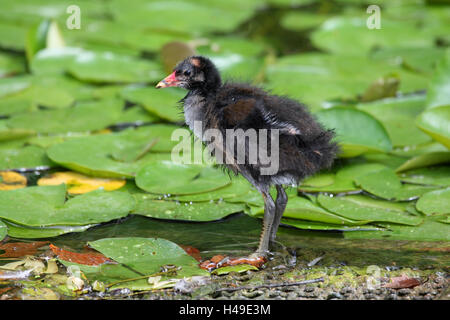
(169, 81)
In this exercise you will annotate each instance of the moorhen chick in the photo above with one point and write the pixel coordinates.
(304, 147)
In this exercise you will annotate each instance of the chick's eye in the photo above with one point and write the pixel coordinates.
(187, 73)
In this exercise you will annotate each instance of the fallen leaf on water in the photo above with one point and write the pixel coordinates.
(31, 264)
(402, 282)
(90, 259)
(78, 183)
(11, 180)
(20, 249)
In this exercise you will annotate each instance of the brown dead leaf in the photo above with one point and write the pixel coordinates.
(90, 259)
(78, 183)
(20, 249)
(402, 282)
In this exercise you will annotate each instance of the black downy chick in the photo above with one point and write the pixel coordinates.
(304, 147)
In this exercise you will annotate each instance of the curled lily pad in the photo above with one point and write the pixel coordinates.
(359, 207)
(313, 225)
(357, 131)
(46, 206)
(174, 210)
(435, 202)
(435, 122)
(385, 184)
(179, 179)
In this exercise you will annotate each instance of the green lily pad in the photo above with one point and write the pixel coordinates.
(107, 67)
(148, 255)
(12, 37)
(429, 230)
(10, 65)
(435, 202)
(385, 184)
(359, 207)
(356, 131)
(304, 209)
(25, 232)
(114, 155)
(174, 210)
(162, 103)
(435, 122)
(46, 206)
(87, 116)
(179, 179)
(424, 160)
(13, 85)
(317, 78)
(338, 35)
(397, 115)
(312, 225)
(3, 230)
(238, 187)
(29, 157)
(299, 21)
(438, 91)
(343, 179)
(435, 176)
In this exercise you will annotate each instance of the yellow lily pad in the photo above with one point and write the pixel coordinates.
(78, 183)
(10, 180)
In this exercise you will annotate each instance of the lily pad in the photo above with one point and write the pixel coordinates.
(435, 176)
(114, 155)
(438, 91)
(79, 184)
(359, 207)
(113, 68)
(435, 122)
(315, 78)
(429, 230)
(148, 255)
(87, 116)
(356, 131)
(338, 35)
(46, 206)
(240, 268)
(26, 232)
(174, 210)
(424, 160)
(385, 184)
(397, 115)
(162, 103)
(29, 157)
(3, 230)
(179, 179)
(312, 225)
(435, 202)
